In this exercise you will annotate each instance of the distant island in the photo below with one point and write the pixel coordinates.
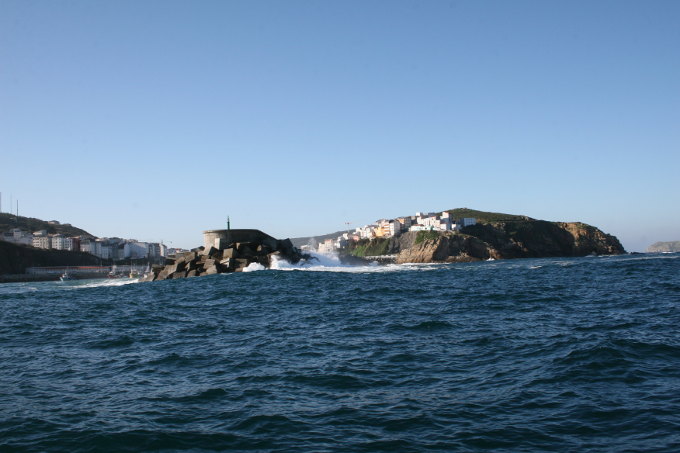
(463, 234)
(659, 247)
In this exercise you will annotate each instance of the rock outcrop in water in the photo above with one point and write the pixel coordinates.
(231, 255)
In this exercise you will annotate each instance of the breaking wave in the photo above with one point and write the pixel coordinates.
(320, 262)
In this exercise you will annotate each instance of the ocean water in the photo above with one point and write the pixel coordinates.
(574, 355)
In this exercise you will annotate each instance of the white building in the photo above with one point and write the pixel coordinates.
(327, 246)
(17, 236)
(432, 222)
(41, 242)
(156, 250)
(394, 228)
(58, 242)
(366, 232)
(72, 244)
(135, 250)
(88, 246)
(103, 249)
(405, 222)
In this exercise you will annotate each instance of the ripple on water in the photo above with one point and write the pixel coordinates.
(576, 354)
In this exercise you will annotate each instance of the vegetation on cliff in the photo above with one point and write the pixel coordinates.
(486, 217)
(423, 236)
(369, 247)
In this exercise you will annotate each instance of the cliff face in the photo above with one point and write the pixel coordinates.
(447, 248)
(514, 239)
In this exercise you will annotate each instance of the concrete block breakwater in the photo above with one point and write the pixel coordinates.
(227, 251)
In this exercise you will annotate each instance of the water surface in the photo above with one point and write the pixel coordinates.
(577, 354)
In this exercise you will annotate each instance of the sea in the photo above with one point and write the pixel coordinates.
(526, 355)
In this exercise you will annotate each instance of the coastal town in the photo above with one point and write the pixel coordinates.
(387, 228)
(115, 249)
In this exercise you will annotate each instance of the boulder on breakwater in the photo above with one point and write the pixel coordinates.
(227, 251)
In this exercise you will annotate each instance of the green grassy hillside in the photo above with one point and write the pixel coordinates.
(486, 217)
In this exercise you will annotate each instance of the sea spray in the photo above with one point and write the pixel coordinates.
(252, 267)
(317, 260)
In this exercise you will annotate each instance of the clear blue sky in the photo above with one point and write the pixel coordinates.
(157, 119)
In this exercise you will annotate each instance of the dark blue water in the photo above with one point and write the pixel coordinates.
(523, 355)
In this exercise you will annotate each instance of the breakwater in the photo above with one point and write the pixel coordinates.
(227, 251)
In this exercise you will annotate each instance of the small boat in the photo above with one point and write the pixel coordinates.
(65, 277)
(134, 273)
(114, 273)
(147, 271)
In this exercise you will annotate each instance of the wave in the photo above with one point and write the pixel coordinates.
(79, 284)
(253, 267)
(320, 262)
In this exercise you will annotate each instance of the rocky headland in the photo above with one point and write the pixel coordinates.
(521, 238)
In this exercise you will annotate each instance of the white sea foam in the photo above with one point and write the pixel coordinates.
(252, 267)
(99, 283)
(331, 263)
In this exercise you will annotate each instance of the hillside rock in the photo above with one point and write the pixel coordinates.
(513, 239)
(447, 248)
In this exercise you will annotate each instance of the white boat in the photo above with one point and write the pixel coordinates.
(114, 272)
(147, 271)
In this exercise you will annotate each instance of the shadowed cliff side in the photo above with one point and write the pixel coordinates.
(14, 259)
